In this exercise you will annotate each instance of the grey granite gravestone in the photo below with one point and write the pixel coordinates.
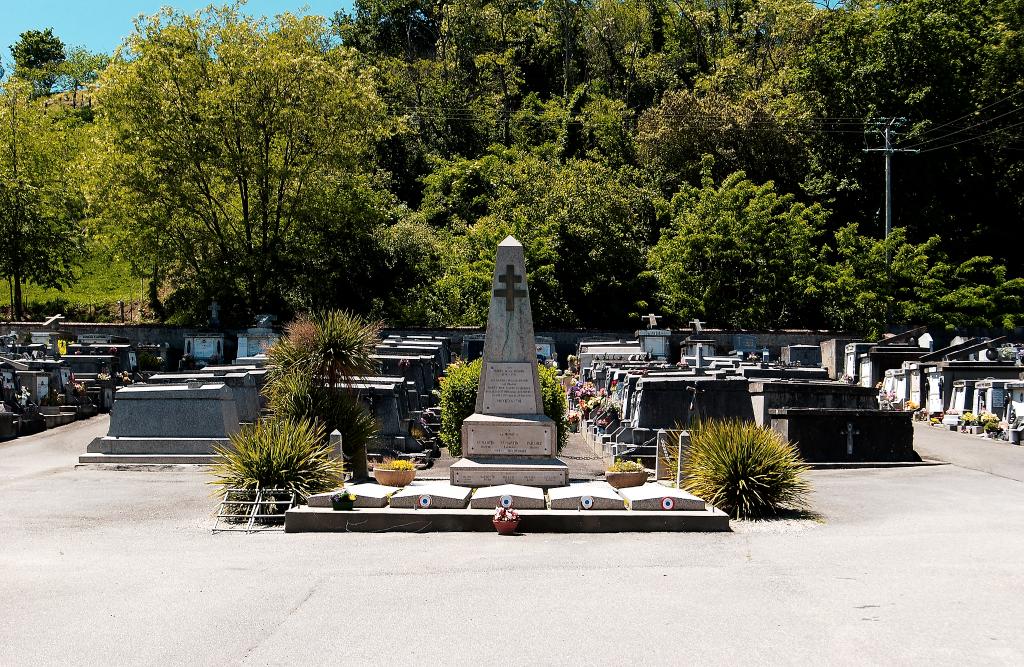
(509, 440)
(167, 420)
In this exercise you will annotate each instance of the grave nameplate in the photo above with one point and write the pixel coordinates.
(481, 472)
(510, 388)
(517, 438)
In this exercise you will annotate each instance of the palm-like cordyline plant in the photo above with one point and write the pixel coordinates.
(278, 454)
(331, 347)
(310, 370)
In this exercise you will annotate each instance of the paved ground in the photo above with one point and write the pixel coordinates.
(919, 565)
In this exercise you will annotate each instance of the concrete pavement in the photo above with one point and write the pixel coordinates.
(997, 457)
(914, 565)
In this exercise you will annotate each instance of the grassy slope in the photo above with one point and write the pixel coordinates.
(103, 280)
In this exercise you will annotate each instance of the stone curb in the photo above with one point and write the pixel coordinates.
(320, 520)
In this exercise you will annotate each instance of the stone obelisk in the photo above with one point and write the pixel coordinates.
(509, 440)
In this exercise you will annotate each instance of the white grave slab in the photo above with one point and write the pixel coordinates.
(652, 497)
(367, 495)
(586, 496)
(433, 495)
(514, 496)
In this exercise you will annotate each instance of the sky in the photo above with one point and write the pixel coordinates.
(99, 25)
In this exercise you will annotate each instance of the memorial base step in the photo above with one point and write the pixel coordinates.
(377, 520)
(157, 446)
(477, 472)
(147, 459)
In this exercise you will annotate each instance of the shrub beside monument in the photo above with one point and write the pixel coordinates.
(458, 398)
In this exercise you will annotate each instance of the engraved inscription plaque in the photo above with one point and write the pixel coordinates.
(511, 475)
(510, 440)
(509, 389)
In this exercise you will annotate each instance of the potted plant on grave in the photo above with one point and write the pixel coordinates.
(970, 423)
(990, 424)
(394, 472)
(343, 501)
(505, 520)
(623, 474)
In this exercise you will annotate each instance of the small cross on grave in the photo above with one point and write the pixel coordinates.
(697, 325)
(849, 432)
(652, 320)
(509, 291)
(214, 314)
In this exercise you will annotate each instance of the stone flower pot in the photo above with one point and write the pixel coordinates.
(394, 477)
(621, 480)
(975, 430)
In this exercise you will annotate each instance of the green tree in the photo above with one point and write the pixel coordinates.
(738, 254)
(859, 291)
(228, 139)
(37, 55)
(585, 228)
(40, 198)
(80, 69)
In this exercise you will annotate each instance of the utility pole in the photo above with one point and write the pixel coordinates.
(888, 129)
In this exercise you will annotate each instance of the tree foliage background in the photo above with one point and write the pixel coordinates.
(696, 158)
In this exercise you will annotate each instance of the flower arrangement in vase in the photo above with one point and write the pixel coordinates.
(505, 520)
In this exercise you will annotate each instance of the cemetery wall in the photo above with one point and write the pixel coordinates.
(565, 341)
(137, 334)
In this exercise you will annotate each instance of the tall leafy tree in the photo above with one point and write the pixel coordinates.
(738, 253)
(37, 55)
(40, 200)
(230, 138)
(80, 69)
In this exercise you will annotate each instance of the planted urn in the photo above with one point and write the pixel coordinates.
(394, 472)
(623, 474)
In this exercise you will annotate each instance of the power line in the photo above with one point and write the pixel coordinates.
(974, 138)
(969, 127)
(971, 113)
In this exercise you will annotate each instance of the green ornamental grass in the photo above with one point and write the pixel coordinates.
(746, 470)
(278, 454)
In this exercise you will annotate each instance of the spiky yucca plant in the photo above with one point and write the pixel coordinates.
(278, 454)
(746, 470)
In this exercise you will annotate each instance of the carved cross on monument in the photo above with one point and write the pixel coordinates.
(849, 432)
(697, 325)
(509, 291)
